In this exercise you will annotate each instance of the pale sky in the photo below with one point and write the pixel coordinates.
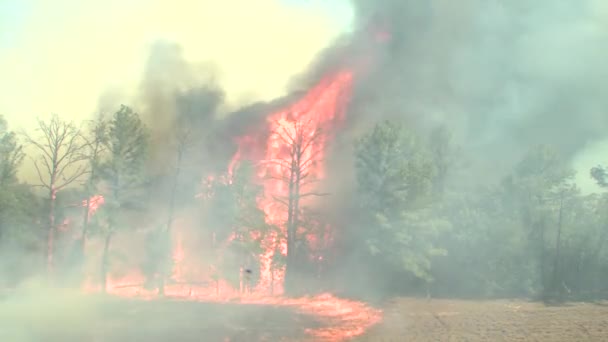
(60, 56)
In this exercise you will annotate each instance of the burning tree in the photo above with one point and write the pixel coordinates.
(297, 171)
(59, 164)
(289, 164)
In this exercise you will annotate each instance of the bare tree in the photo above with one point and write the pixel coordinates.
(297, 171)
(59, 164)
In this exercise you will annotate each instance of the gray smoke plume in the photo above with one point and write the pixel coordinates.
(174, 90)
(504, 75)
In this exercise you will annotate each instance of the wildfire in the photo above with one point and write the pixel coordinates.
(344, 318)
(321, 108)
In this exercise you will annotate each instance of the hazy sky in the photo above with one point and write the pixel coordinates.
(60, 56)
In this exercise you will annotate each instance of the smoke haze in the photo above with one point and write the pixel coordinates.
(504, 75)
(66, 54)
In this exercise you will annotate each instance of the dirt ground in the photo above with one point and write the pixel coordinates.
(161, 321)
(413, 320)
(404, 319)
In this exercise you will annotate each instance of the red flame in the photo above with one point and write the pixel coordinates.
(320, 109)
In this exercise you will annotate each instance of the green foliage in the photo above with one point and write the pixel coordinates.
(127, 147)
(443, 155)
(600, 174)
(233, 207)
(19, 207)
(125, 143)
(394, 178)
(19, 210)
(233, 211)
(393, 171)
(11, 154)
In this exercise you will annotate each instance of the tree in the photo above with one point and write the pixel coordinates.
(11, 154)
(127, 145)
(195, 108)
(235, 217)
(297, 172)
(394, 181)
(600, 174)
(563, 200)
(442, 153)
(59, 164)
(19, 212)
(97, 140)
(536, 189)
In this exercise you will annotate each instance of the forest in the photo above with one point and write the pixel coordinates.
(407, 227)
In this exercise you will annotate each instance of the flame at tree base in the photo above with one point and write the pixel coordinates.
(344, 319)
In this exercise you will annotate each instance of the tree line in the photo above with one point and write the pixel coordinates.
(410, 228)
(420, 230)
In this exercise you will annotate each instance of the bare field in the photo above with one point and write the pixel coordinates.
(161, 321)
(408, 319)
(85, 319)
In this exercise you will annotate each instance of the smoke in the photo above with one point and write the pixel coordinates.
(502, 75)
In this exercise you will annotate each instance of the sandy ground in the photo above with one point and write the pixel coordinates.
(409, 319)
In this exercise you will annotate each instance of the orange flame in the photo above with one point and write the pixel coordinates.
(95, 202)
(321, 108)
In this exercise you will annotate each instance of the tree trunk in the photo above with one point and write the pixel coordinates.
(86, 217)
(85, 223)
(558, 242)
(171, 214)
(51, 230)
(543, 258)
(104, 263)
(289, 282)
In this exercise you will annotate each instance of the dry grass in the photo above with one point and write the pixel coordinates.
(93, 319)
(408, 319)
